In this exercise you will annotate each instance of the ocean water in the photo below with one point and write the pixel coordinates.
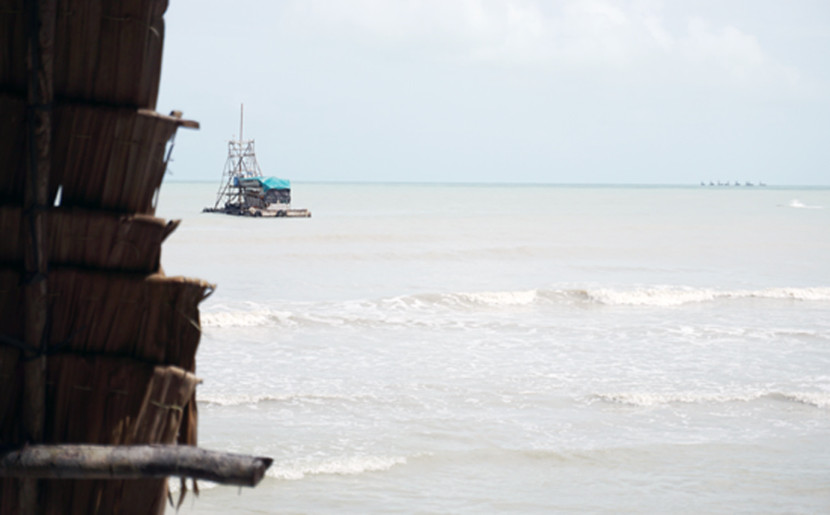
(516, 349)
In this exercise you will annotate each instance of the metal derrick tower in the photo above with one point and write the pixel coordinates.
(241, 163)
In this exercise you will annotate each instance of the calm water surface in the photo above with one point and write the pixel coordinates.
(516, 349)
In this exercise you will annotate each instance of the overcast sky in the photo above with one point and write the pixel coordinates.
(527, 91)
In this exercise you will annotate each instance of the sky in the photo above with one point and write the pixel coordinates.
(504, 91)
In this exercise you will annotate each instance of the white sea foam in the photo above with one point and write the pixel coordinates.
(405, 309)
(350, 465)
(818, 399)
(667, 296)
(251, 399)
(503, 298)
(646, 399)
(795, 203)
(237, 400)
(241, 318)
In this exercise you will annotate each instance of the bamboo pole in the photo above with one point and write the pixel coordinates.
(41, 33)
(132, 462)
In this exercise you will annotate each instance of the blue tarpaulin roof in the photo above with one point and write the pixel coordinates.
(267, 183)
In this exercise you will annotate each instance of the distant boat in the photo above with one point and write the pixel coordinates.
(244, 191)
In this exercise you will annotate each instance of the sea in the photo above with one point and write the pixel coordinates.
(497, 348)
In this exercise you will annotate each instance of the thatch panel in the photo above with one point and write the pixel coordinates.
(13, 46)
(10, 381)
(152, 318)
(131, 403)
(139, 496)
(102, 157)
(135, 403)
(11, 304)
(91, 239)
(109, 51)
(12, 146)
(105, 158)
(11, 251)
(107, 390)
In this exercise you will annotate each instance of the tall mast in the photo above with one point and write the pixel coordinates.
(241, 109)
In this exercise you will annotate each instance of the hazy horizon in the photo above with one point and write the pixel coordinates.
(519, 91)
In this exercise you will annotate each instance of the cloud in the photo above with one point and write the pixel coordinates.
(577, 34)
(732, 53)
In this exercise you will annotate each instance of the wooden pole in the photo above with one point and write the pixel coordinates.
(132, 462)
(40, 26)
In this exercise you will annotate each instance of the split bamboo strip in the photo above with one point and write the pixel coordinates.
(163, 408)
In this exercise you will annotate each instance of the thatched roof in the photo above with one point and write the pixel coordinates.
(116, 337)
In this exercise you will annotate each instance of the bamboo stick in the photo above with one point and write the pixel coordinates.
(132, 462)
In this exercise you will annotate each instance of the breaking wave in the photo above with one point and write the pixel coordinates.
(795, 203)
(405, 308)
(251, 399)
(816, 399)
(676, 296)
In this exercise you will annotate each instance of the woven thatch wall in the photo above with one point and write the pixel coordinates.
(102, 158)
(106, 52)
(121, 336)
(152, 318)
(12, 145)
(90, 239)
(131, 403)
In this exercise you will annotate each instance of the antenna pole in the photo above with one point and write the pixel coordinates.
(241, 108)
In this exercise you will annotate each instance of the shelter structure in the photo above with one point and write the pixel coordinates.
(97, 344)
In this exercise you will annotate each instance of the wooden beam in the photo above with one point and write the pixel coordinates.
(40, 31)
(77, 461)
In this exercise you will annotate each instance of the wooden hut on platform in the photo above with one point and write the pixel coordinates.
(97, 344)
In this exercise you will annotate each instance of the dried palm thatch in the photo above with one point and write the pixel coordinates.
(102, 157)
(152, 318)
(97, 345)
(110, 159)
(106, 52)
(90, 239)
(12, 143)
(131, 403)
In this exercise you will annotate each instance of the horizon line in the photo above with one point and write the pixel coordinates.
(496, 183)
